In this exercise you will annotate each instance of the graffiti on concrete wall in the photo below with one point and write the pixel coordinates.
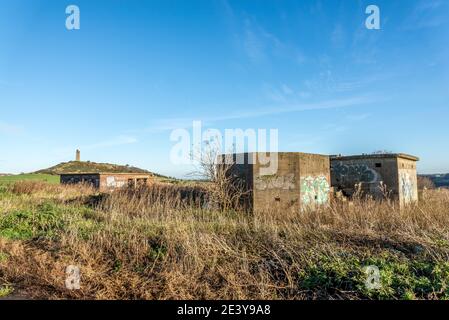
(75, 179)
(314, 190)
(351, 174)
(407, 186)
(275, 182)
(112, 182)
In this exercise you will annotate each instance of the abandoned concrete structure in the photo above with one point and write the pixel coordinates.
(107, 181)
(78, 155)
(295, 181)
(397, 172)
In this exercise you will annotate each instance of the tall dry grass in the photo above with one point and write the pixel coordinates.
(165, 243)
(39, 189)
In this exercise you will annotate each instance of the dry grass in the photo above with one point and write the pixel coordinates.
(165, 243)
(39, 189)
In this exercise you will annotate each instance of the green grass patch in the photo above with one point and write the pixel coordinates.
(5, 290)
(400, 278)
(43, 221)
(3, 257)
(48, 220)
(54, 179)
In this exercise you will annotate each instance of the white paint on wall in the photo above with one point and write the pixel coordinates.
(110, 182)
(408, 187)
(275, 182)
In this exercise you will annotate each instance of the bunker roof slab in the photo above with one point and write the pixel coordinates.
(376, 156)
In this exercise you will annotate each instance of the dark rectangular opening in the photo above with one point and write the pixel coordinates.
(378, 165)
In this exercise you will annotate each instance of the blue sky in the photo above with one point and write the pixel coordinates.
(138, 69)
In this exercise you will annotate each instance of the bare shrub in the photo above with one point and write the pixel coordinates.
(44, 189)
(30, 187)
(425, 183)
(226, 191)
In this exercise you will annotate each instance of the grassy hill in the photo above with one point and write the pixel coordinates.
(91, 167)
(51, 175)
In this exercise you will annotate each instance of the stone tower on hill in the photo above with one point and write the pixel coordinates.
(78, 155)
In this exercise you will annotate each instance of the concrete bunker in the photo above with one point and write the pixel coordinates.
(396, 172)
(107, 181)
(300, 181)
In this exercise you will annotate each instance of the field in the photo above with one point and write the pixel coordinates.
(29, 177)
(151, 244)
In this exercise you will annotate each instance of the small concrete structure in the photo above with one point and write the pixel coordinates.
(107, 181)
(397, 172)
(78, 155)
(291, 181)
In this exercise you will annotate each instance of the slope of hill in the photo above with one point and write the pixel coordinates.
(91, 167)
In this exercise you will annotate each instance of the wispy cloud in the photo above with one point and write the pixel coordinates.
(429, 4)
(304, 142)
(175, 123)
(427, 14)
(286, 89)
(338, 36)
(259, 44)
(10, 129)
(116, 141)
(113, 142)
(328, 82)
(333, 127)
(358, 117)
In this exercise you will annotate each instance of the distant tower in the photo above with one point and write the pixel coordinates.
(78, 155)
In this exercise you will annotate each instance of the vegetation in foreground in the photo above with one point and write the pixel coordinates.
(152, 244)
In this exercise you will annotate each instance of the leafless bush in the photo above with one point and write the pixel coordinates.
(226, 191)
(425, 183)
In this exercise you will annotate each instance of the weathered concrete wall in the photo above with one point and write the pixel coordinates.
(377, 175)
(408, 181)
(242, 174)
(301, 181)
(115, 181)
(107, 182)
(92, 179)
(314, 180)
(279, 191)
(367, 172)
